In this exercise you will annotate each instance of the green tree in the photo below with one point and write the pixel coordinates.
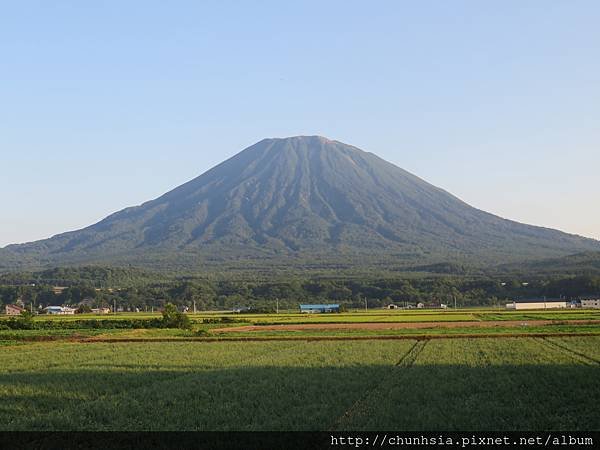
(173, 318)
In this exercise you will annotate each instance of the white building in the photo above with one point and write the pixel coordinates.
(590, 303)
(59, 310)
(537, 304)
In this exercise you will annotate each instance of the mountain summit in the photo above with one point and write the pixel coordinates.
(304, 198)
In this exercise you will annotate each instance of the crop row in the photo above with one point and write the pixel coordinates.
(476, 384)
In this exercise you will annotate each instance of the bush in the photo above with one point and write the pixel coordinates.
(221, 320)
(90, 323)
(83, 309)
(22, 322)
(172, 318)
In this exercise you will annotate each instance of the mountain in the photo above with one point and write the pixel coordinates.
(303, 201)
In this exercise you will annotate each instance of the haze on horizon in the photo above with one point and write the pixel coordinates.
(104, 106)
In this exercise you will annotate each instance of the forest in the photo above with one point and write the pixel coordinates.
(131, 289)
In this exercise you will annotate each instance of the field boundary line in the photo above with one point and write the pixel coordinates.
(416, 337)
(568, 350)
(406, 361)
(403, 325)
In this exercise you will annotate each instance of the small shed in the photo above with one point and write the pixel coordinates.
(316, 309)
(14, 310)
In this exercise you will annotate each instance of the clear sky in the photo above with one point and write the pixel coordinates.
(108, 104)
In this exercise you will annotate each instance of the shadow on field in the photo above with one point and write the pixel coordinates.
(427, 397)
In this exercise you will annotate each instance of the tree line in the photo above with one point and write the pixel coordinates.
(207, 294)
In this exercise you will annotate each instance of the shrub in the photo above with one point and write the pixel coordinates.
(172, 318)
(21, 322)
(221, 320)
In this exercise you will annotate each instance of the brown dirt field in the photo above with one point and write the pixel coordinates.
(402, 325)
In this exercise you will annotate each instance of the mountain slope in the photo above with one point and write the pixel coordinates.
(301, 198)
(577, 264)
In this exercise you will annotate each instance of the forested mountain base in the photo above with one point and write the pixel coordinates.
(130, 288)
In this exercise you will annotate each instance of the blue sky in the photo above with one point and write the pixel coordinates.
(108, 104)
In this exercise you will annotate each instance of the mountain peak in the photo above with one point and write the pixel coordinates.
(304, 138)
(308, 142)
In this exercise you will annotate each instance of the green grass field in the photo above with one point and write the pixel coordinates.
(379, 315)
(522, 325)
(441, 384)
(432, 378)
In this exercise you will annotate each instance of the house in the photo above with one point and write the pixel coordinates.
(101, 310)
(57, 290)
(391, 306)
(420, 305)
(14, 310)
(592, 302)
(64, 310)
(312, 309)
(537, 304)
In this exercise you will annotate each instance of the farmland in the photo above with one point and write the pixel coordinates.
(291, 325)
(445, 384)
(356, 316)
(400, 370)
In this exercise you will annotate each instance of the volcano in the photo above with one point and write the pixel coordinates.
(300, 200)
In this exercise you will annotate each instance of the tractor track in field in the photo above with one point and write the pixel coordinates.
(407, 360)
(565, 349)
(411, 356)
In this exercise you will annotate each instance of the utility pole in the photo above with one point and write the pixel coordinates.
(194, 306)
(277, 305)
(454, 296)
(114, 306)
(366, 306)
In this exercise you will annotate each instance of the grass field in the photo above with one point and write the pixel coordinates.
(378, 315)
(442, 384)
(391, 323)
